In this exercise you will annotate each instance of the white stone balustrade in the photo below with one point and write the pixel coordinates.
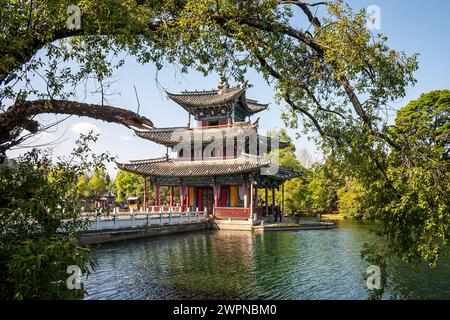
(130, 219)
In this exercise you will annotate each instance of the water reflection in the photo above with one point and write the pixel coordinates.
(320, 264)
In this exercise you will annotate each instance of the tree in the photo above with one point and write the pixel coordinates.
(98, 184)
(39, 219)
(128, 184)
(350, 200)
(412, 223)
(424, 124)
(309, 68)
(323, 182)
(286, 158)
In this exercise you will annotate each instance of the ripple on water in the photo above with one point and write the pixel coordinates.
(320, 264)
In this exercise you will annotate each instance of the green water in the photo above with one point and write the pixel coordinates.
(318, 264)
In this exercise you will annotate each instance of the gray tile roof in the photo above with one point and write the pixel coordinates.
(174, 136)
(214, 98)
(164, 167)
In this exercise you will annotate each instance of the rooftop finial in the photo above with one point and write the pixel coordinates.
(221, 85)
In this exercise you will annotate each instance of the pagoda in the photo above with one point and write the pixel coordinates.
(220, 163)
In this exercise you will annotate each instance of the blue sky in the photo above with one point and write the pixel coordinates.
(411, 25)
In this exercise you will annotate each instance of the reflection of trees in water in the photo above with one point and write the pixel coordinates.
(420, 282)
(194, 266)
(219, 263)
(276, 259)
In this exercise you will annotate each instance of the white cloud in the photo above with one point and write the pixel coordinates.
(45, 137)
(40, 138)
(85, 127)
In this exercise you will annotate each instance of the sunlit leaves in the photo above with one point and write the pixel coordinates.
(39, 218)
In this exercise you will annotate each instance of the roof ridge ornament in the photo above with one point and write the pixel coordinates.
(223, 84)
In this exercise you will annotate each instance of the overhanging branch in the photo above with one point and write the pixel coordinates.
(20, 112)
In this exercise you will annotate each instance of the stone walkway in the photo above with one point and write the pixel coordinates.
(289, 224)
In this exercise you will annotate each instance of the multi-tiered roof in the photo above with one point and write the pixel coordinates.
(222, 114)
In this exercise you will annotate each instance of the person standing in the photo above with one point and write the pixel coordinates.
(280, 214)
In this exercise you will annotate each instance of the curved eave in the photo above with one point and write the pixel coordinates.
(284, 173)
(170, 168)
(174, 136)
(258, 108)
(156, 137)
(251, 106)
(205, 99)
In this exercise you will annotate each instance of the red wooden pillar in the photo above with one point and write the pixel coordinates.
(182, 197)
(171, 196)
(186, 197)
(156, 195)
(255, 201)
(223, 197)
(145, 193)
(200, 199)
(216, 196)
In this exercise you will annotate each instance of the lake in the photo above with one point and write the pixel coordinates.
(316, 264)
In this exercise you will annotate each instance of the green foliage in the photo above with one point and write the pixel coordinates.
(99, 183)
(424, 125)
(413, 211)
(128, 184)
(38, 223)
(351, 199)
(316, 195)
(81, 190)
(38, 267)
(315, 191)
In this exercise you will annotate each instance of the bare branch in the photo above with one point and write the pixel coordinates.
(305, 7)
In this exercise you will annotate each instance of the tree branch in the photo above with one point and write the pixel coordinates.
(305, 7)
(22, 111)
(18, 117)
